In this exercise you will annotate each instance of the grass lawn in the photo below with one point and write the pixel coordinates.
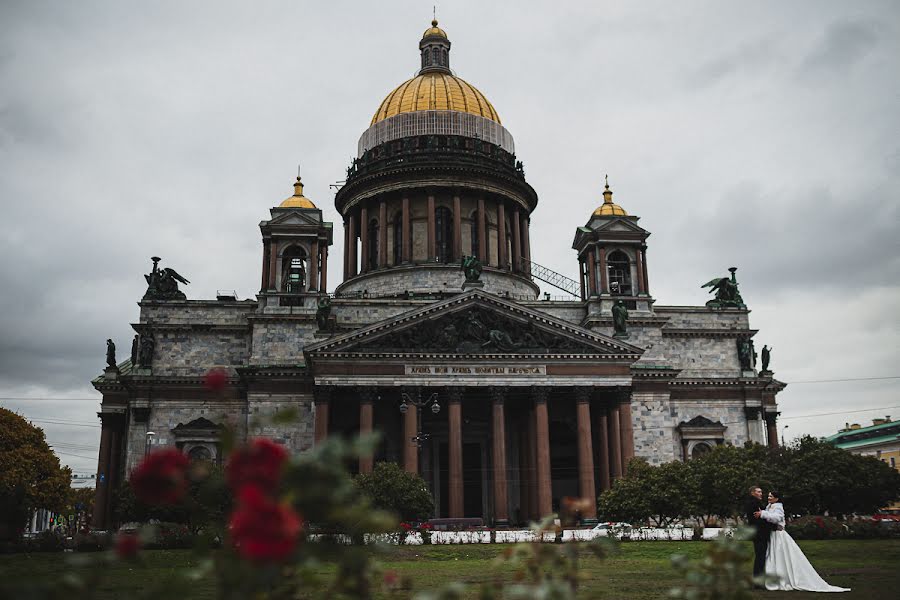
(640, 570)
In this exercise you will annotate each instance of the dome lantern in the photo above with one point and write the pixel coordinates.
(609, 208)
(435, 50)
(298, 200)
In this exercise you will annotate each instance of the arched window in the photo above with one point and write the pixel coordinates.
(444, 56)
(200, 453)
(293, 270)
(476, 242)
(398, 238)
(700, 449)
(509, 239)
(619, 268)
(435, 56)
(373, 244)
(443, 228)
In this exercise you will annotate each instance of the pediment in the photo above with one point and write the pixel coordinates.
(296, 216)
(475, 324)
(702, 422)
(619, 224)
(199, 425)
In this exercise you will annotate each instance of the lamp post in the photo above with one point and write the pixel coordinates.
(782, 434)
(149, 443)
(419, 403)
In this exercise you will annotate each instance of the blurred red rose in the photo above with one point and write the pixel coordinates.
(259, 464)
(161, 478)
(262, 529)
(391, 578)
(405, 526)
(216, 380)
(127, 545)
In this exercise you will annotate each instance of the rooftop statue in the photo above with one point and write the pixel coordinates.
(323, 312)
(471, 266)
(110, 354)
(727, 294)
(766, 357)
(620, 318)
(162, 284)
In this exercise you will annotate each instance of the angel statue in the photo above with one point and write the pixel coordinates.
(162, 284)
(727, 294)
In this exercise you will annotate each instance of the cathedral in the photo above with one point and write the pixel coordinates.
(503, 399)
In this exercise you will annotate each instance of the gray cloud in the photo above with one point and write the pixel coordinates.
(128, 130)
(844, 43)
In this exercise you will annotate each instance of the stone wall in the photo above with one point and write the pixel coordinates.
(196, 312)
(729, 412)
(654, 428)
(433, 278)
(298, 435)
(166, 414)
(187, 352)
(281, 341)
(700, 317)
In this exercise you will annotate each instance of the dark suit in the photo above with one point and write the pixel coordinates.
(764, 529)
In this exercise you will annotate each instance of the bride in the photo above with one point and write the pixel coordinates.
(785, 560)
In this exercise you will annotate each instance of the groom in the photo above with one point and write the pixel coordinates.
(752, 505)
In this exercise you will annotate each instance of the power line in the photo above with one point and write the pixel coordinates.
(67, 424)
(12, 398)
(841, 412)
(842, 380)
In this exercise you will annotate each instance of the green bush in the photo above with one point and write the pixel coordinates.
(391, 488)
(48, 541)
(869, 529)
(171, 536)
(92, 541)
(816, 528)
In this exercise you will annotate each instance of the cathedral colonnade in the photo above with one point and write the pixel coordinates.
(435, 226)
(506, 454)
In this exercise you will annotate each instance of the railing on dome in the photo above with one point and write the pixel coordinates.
(439, 122)
(557, 280)
(421, 149)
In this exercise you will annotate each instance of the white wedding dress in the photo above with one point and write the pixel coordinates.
(786, 561)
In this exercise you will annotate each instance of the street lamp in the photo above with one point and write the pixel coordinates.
(782, 434)
(149, 443)
(419, 403)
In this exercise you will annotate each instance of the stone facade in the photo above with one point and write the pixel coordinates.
(531, 399)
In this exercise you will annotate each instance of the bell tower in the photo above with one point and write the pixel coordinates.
(295, 253)
(612, 258)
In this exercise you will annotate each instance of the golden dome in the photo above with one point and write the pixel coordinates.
(609, 208)
(434, 30)
(298, 200)
(435, 91)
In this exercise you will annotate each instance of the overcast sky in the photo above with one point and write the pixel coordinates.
(762, 135)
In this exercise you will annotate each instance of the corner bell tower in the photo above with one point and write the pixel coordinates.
(295, 253)
(612, 258)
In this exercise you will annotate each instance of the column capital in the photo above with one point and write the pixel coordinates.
(498, 394)
(455, 393)
(322, 395)
(367, 394)
(583, 394)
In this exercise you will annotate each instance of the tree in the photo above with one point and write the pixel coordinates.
(660, 494)
(817, 477)
(30, 474)
(393, 489)
(206, 506)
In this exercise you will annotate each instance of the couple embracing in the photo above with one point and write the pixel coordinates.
(775, 551)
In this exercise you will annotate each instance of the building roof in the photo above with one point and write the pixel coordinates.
(866, 436)
(435, 88)
(435, 91)
(609, 208)
(298, 200)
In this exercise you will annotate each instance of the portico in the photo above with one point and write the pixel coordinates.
(517, 428)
